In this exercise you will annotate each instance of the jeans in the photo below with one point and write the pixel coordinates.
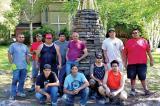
(69, 100)
(53, 93)
(68, 66)
(35, 70)
(19, 76)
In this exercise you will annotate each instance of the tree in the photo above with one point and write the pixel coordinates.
(31, 7)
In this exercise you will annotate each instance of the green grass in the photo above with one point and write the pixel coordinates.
(4, 65)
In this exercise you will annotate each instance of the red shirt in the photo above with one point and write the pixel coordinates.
(34, 46)
(114, 81)
(135, 50)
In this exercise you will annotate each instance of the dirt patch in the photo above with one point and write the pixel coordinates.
(153, 81)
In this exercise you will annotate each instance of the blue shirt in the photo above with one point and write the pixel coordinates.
(63, 49)
(19, 52)
(71, 83)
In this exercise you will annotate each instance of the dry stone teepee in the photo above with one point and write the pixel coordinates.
(87, 24)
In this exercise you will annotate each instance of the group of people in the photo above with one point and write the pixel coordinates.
(55, 68)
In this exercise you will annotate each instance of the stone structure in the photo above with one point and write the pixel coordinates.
(87, 24)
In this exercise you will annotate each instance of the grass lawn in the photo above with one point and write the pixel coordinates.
(4, 58)
(5, 66)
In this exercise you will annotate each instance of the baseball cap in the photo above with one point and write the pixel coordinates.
(48, 36)
(111, 29)
(47, 66)
(99, 56)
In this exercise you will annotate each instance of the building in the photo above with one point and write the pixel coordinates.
(54, 16)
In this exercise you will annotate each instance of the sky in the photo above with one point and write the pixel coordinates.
(4, 6)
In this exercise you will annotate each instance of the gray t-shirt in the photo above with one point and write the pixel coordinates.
(63, 49)
(19, 52)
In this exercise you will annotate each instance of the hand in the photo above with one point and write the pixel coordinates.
(48, 97)
(100, 83)
(78, 59)
(46, 86)
(76, 91)
(151, 62)
(59, 66)
(113, 94)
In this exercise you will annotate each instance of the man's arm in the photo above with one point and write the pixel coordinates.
(55, 83)
(10, 58)
(59, 55)
(105, 80)
(67, 54)
(150, 57)
(106, 60)
(85, 51)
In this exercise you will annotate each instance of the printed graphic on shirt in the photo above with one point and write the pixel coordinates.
(75, 84)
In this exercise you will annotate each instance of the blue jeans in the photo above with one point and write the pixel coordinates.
(83, 94)
(68, 66)
(35, 70)
(19, 76)
(53, 93)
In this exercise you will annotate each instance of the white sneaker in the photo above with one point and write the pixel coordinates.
(11, 98)
(132, 93)
(102, 101)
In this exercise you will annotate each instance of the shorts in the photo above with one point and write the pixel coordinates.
(137, 69)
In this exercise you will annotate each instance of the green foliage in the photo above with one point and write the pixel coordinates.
(66, 32)
(43, 30)
(131, 14)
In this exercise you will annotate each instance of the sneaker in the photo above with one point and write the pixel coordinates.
(32, 89)
(132, 93)
(42, 102)
(53, 104)
(147, 92)
(102, 101)
(11, 98)
(21, 94)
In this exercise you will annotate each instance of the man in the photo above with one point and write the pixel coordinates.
(76, 52)
(113, 83)
(18, 58)
(48, 53)
(63, 45)
(97, 73)
(112, 49)
(76, 85)
(135, 53)
(33, 50)
(47, 86)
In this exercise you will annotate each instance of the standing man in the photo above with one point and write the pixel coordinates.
(63, 45)
(48, 53)
(135, 53)
(76, 84)
(112, 49)
(76, 52)
(33, 50)
(18, 58)
(47, 86)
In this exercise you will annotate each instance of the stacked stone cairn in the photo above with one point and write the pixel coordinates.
(87, 24)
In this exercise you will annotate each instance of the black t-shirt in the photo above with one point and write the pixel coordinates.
(42, 80)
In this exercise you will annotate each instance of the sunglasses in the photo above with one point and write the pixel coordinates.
(134, 32)
(20, 37)
(114, 65)
(48, 38)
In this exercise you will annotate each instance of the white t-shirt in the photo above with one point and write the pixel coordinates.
(114, 48)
